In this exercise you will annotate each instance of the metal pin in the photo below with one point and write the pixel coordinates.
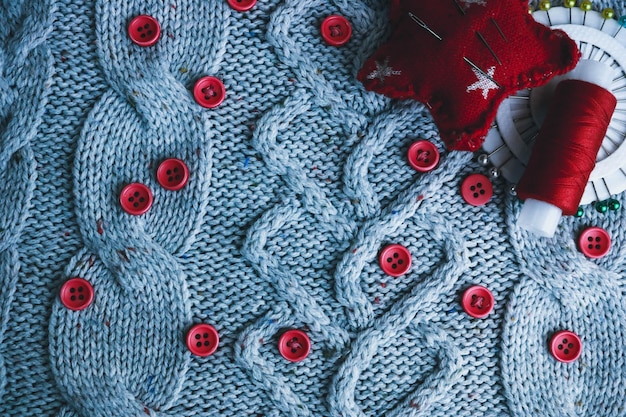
(606, 186)
(498, 149)
(484, 41)
(595, 191)
(520, 97)
(549, 20)
(424, 25)
(482, 72)
(458, 6)
(509, 159)
(529, 139)
(499, 30)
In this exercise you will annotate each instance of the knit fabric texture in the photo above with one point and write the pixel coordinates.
(297, 180)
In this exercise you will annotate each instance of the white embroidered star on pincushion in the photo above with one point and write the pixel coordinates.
(382, 71)
(462, 58)
(484, 82)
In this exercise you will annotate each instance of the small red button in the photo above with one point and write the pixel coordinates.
(476, 190)
(477, 301)
(76, 294)
(209, 92)
(336, 30)
(144, 30)
(136, 198)
(172, 174)
(423, 156)
(594, 242)
(294, 345)
(202, 339)
(395, 260)
(242, 5)
(565, 346)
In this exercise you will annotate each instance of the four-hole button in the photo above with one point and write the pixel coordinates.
(144, 30)
(336, 30)
(209, 92)
(395, 260)
(476, 190)
(423, 156)
(294, 345)
(136, 198)
(172, 174)
(594, 242)
(76, 294)
(241, 5)
(202, 339)
(477, 301)
(565, 346)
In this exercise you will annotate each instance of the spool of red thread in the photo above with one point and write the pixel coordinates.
(566, 147)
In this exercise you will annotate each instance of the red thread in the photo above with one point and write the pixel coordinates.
(567, 145)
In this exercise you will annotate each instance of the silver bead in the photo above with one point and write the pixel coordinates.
(513, 190)
(483, 159)
(494, 172)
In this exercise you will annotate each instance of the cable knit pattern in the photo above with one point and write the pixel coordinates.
(297, 181)
(25, 70)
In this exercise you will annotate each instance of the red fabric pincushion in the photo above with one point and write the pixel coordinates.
(489, 49)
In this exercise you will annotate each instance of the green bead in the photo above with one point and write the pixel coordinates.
(602, 207)
(586, 5)
(569, 3)
(614, 205)
(580, 212)
(608, 13)
(545, 5)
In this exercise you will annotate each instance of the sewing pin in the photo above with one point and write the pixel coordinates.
(484, 41)
(482, 72)
(531, 141)
(595, 191)
(458, 6)
(499, 30)
(495, 151)
(423, 25)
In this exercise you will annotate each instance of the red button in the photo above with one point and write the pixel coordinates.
(172, 174)
(209, 92)
(395, 260)
(76, 294)
(423, 156)
(336, 30)
(476, 190)
(594, 242)
(202, 339)
(136, 198)
(294, 345)
(242, 5)
(477, 301)
(144, 30)
(565, 346)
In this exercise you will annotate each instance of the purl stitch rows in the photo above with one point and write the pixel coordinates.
(296, 182)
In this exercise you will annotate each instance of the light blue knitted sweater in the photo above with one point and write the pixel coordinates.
(296, 182)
